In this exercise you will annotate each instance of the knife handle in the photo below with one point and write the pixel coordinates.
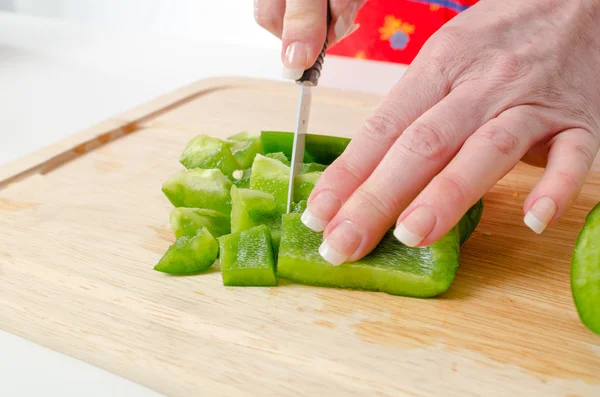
(311, 76)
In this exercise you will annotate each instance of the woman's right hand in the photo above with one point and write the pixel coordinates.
(301, 26)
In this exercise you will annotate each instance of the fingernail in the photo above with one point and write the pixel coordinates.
(313, 222)
(345, 24)
(341, 244)
(415, 226)
(540, 214)
(294, 61)
(322, 208)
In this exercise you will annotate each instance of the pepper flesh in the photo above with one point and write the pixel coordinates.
(209, 153)
(391, 267)
(198, 188)
(187, 221)
(189, 255)
(247, 258)
(244, 147)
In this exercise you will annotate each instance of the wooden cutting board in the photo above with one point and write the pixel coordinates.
(83, 222)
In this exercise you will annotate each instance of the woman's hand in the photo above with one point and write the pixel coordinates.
(301, 26)
(502, 82)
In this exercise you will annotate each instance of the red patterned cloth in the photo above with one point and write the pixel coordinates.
(395, 30)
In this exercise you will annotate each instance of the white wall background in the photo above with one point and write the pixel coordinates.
(229, 21)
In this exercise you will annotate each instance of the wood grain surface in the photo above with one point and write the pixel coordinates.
(83, 222)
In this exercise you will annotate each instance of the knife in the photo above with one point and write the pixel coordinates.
(309, 79)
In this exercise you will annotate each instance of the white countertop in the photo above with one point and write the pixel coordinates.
(58, 78)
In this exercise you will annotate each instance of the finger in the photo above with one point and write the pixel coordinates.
(416, 157)
(303, 36)
(343, 14)
(487, 155)
(570, 158)
(269, 15)
(407, 100)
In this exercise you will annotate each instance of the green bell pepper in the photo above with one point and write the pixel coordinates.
(585, 271)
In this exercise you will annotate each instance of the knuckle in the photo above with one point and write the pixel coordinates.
(442, 51)
(301, 16)
(568, 181)
(425, 141)
(345, 170)
(453, 186)
(377, 200)
(500, 138)
(383, 125)
(583, 152)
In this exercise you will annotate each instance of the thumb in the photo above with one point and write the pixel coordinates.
(305, 28)
(304, 31)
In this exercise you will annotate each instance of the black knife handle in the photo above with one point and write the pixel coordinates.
(311, 75)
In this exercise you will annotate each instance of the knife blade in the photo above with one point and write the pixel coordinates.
(304, 103)
(309, 79)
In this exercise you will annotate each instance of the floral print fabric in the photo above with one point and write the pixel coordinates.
(395, 30)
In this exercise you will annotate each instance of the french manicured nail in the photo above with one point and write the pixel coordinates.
(341, 244)
(313, 222)
(323, 208)
(415, 226)
(294, 61)
(540, 214)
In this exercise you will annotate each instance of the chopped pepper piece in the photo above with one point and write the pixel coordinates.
(304, 184)
(207, 152)
(312, 167)
(190, 255)
(251, 208)
(245, 146)
(198, 188)
(391, 267)
(279, 156)
(271, 176)
(187, 221)
(247, 258)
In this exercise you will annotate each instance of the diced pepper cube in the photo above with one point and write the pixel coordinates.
(198, 188)
(207, 153)
(247, 259)
(271, 176)
(312, 167)
(190, 255)
(187, 221)
(304, 184)
(280, 157)
(245, 146)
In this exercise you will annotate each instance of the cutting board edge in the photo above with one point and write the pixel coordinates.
(52, 156)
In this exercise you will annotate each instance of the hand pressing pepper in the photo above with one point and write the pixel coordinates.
(502, 82)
